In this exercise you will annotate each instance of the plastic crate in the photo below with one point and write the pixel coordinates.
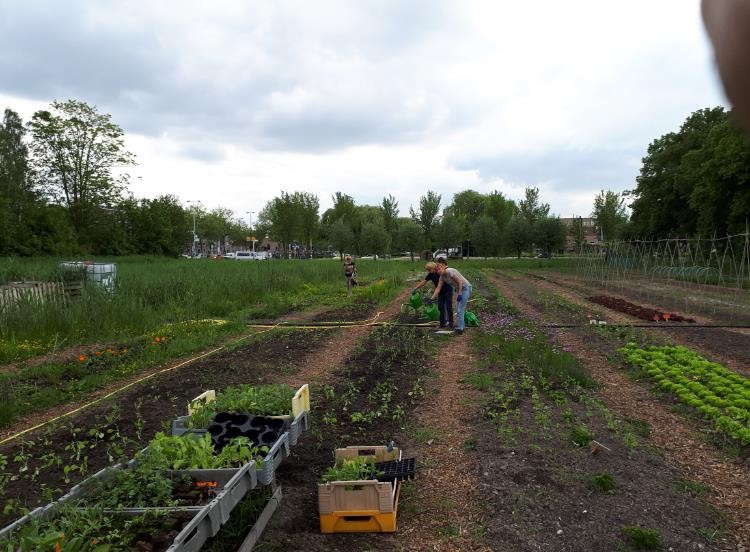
(299, 425)
(380, 517)
(366, 505)
(300, 401)
(205, 522)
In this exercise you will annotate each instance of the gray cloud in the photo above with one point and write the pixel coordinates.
(565, 168)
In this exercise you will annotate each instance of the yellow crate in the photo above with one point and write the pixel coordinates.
(362, 506)
(361, 521)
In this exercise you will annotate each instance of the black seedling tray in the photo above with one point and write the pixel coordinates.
(402, 470)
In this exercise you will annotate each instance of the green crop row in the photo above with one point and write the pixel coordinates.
(717, 393)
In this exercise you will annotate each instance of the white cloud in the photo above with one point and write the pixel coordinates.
(231, 103)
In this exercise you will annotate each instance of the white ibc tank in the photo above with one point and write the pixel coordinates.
(102, 274)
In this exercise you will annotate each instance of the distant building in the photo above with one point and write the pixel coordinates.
(590, 235)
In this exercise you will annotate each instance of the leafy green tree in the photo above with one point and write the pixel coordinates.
(374, 239)
(76, 154)
(340, 236)
(283, 216)
(409, 236)
(550, 234)
(448, 232)
(694, 180)
(426, 216)
(484, 235)
(309, 222)
(517, 235)
(500, 208)
(530, 208)
(610, 214)
(390, 216)
(17, 200)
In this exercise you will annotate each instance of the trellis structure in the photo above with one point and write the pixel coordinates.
(708, 276)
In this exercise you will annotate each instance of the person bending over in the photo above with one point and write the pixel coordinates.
(445, 297)
(461, 285)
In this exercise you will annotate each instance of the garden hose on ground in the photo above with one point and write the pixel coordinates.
(129, 385)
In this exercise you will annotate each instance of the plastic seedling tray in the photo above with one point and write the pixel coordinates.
(400, 470)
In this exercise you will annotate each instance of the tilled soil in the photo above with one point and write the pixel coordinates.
(685, 455)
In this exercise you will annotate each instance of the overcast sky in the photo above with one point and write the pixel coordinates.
(231, 102)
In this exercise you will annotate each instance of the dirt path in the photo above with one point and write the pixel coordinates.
(672, 434)
(341, 343)
(444, 512)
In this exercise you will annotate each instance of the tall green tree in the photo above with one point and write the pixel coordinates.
(694, 180)
(17, 200)
(500, 208)
(550, 234)
(390, 216)
(531, 208)
(340, 236)
(484, 235)
(310, 221)
(426, 216)
(78, 154)
(517, 235)
(409, 237)
(374, 239)
(283, 216)
(448, 232)
(609, 214)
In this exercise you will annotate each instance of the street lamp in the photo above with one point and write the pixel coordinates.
(251, 213)
(195, 236)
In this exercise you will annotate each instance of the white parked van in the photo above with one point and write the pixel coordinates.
(251, 255)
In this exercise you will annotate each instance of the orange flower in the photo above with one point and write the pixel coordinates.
(81, 358)
(98, 353)
(157, 339)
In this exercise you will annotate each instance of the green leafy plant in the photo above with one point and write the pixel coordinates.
(351, 469)
(183, 453)
(643, 538)
(602, 482)
(580, 435)
(268, 400)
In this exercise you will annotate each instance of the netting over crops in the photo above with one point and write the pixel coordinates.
(709, 276)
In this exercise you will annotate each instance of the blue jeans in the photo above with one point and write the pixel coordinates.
(461, 306)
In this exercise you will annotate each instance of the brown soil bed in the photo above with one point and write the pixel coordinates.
(652, 485)
(636, 310)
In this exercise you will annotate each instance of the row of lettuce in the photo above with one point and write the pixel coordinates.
(164, 483)
(717, 393)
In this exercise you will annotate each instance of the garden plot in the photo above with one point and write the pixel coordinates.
(731, 346)
(721, 481)
(50, 460)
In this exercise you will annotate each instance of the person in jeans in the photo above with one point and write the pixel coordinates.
(452, 277)
(445, 297)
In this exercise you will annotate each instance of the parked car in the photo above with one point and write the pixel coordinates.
(251, 256)
(230, 255)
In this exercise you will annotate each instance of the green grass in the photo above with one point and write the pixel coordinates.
(153, 291)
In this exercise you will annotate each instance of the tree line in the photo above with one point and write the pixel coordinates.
(64, 190)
